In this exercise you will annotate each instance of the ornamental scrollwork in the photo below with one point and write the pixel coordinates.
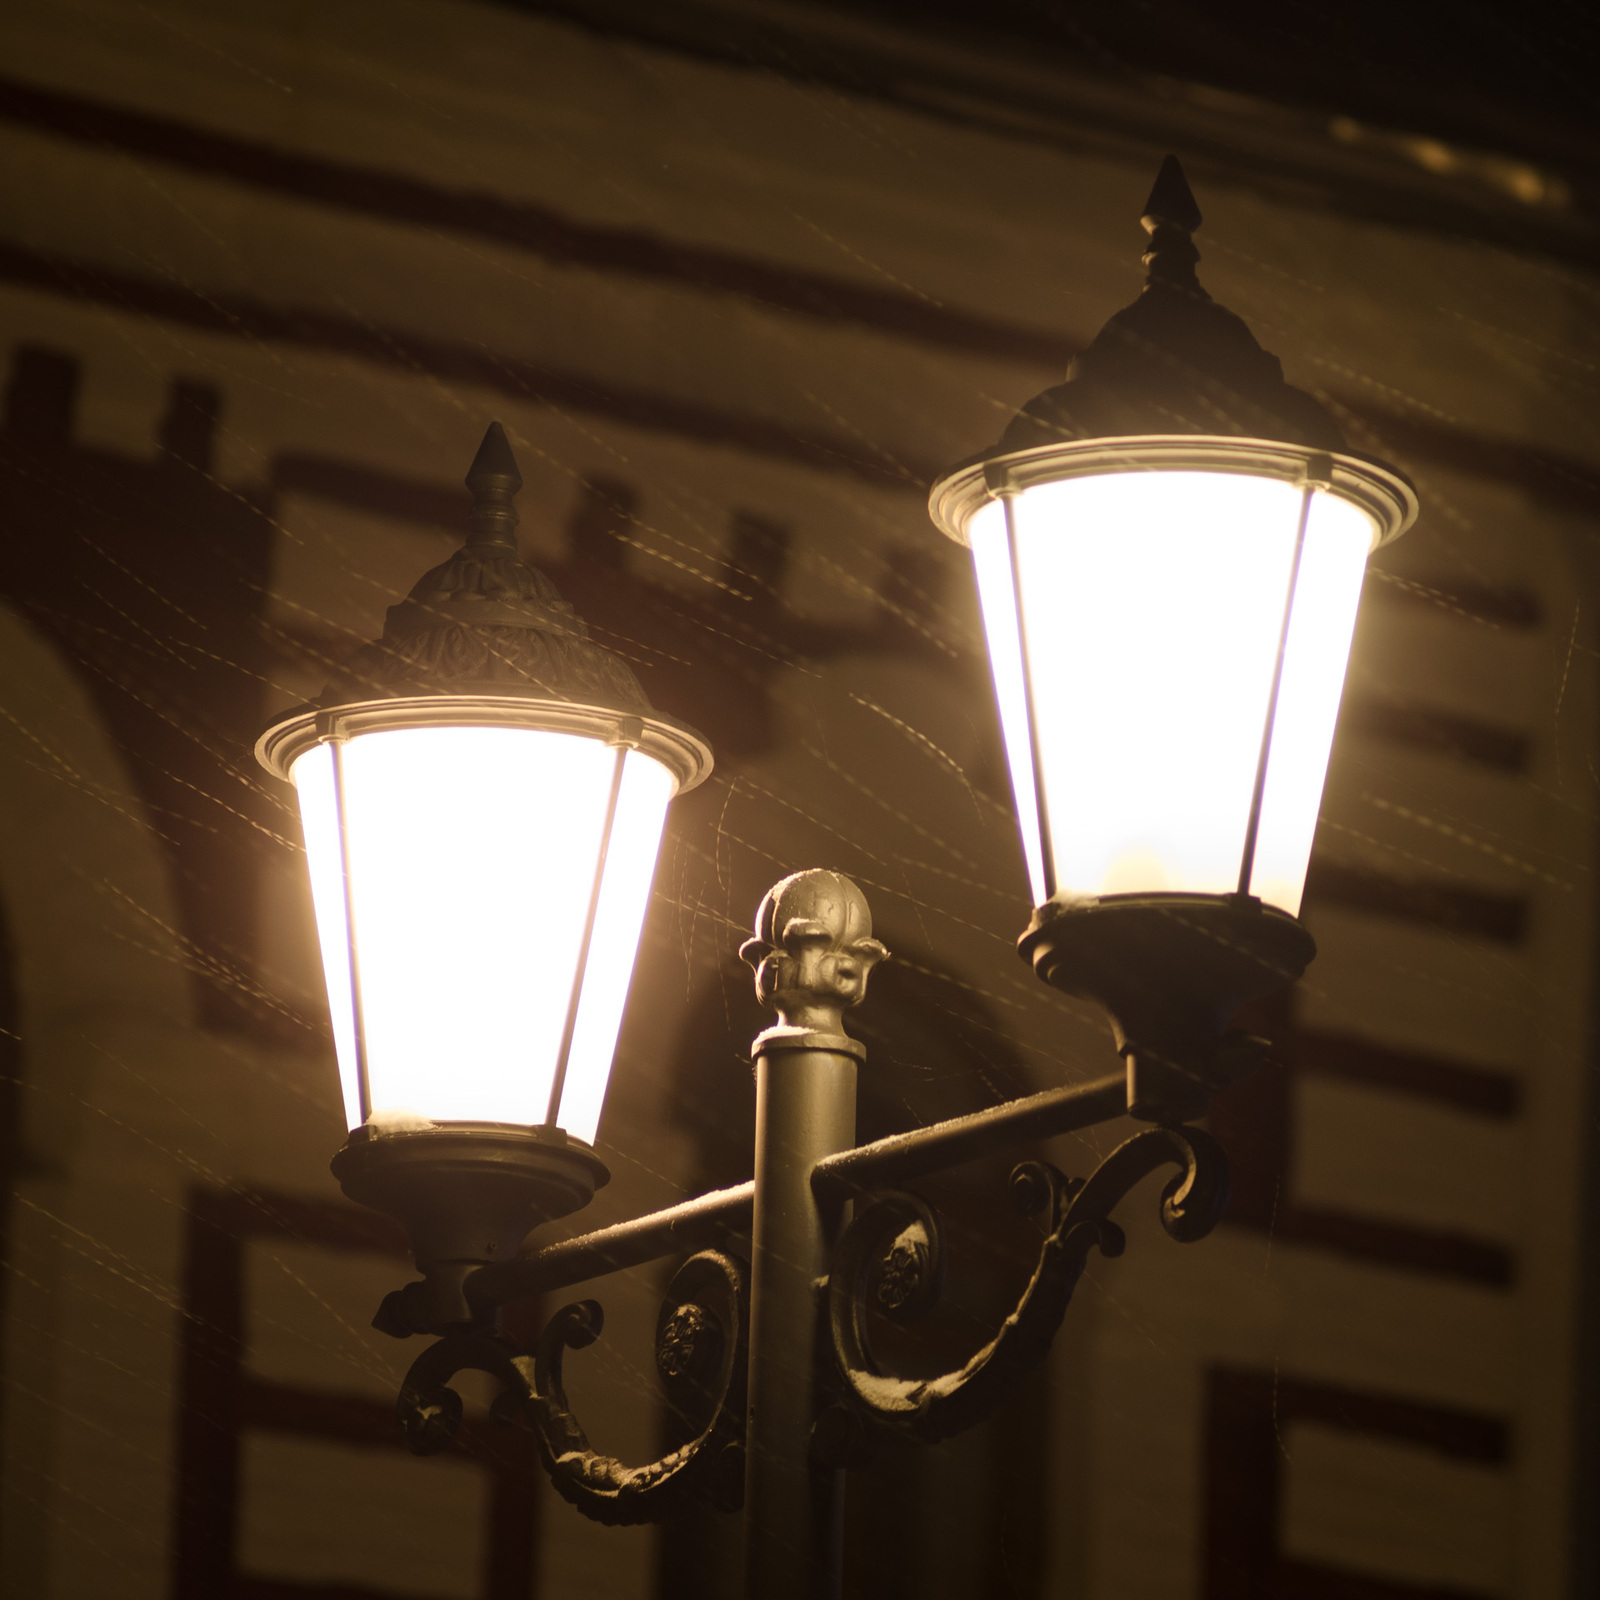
(890, 1264)
(700, 1356)
(450, 652)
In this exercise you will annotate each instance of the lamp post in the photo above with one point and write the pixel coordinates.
(482, 794)
(1169, 550)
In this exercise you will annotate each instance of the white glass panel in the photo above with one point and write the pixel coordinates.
(472, 859)
(991, 559)
(1327, 595)
(319, 822)
(624, 897)
(1153, 603)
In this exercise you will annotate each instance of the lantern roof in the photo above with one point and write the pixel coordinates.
(486, 621)
(1174, 361)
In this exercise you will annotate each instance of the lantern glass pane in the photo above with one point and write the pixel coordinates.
(624, 896)
(1153, 604)
(997, 596)
(319, 822)
(1327, 596)
(472, 858)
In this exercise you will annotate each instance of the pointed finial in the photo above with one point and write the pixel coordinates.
(493, 481)
(1170, 216)
(1171, 199)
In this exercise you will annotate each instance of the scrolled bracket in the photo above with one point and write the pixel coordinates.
(890, 1262)
(429, 1410)
(700, 1356)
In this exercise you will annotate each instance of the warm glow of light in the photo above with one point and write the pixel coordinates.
(472, 860)
(319, 822)
(624, 895)
(991, 557)
(1152, 607)
(1326, 599)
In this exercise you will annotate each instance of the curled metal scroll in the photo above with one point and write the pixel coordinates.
(890, 1263)
(700, 1355)
(430, 1410)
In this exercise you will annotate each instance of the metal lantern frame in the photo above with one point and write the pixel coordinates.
(765, 1339)
(679, 749)
(483, 641)
(1169, 967)
(1386, 497)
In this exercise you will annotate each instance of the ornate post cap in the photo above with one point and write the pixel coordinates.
(812, 954)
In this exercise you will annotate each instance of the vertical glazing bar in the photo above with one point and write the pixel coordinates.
(357, 1016)
(1247, 861)
(559, 1082)
(1047, 855)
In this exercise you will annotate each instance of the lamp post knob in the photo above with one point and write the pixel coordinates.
(813, 950)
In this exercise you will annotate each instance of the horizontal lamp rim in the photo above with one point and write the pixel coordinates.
(1383, 492)
(673, 744)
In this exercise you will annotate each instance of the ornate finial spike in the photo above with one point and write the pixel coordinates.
(1170, 216)
(1171, 200)
(813, 950)
(493, 480)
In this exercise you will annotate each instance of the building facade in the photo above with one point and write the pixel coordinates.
(266, 272)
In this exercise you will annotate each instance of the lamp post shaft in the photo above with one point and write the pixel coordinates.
(794, 1511)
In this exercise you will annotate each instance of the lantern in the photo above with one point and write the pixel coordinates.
(1169, 550)
(482, 793)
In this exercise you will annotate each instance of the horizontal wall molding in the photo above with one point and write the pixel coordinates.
(1565, 483)
(1246, 1415)
(1478, 913)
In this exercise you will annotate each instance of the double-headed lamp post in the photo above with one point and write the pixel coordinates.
(1169, 550)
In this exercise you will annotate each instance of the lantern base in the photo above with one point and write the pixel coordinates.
(467, 1195)
(1171, 970)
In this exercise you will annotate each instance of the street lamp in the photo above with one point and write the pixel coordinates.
(482, 795)
(1169, 551)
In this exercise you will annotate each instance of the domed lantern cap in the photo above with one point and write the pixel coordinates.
(1166, 381)
(1169, 549)
(483, 792)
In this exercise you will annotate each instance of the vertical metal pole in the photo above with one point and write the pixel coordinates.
(794, 1512)
(812, 955)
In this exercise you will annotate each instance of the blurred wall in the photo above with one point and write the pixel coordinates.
(266, 272)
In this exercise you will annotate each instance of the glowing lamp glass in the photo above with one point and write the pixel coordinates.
(1138, 616)
(488, 886)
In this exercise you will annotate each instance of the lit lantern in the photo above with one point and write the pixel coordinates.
(1169, 550)
(482, 794)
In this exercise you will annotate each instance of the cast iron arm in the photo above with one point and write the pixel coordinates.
(711, 1218)
(888, 1263)
(700, 1356)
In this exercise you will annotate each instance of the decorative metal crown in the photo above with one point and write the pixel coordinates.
(486, 621)
(1174, 361)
